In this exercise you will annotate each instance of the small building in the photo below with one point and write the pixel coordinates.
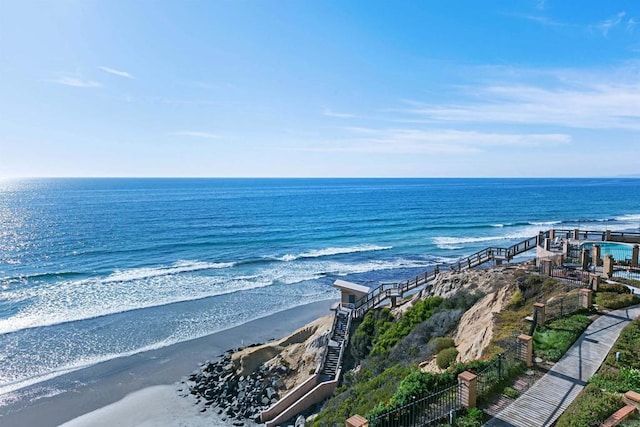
(351, 292)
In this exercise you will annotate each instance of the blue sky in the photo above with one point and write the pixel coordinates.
(319, 88)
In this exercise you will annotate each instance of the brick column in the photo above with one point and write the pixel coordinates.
(607, 267)
(584, 259)
(585, 298)
(595, 256)
(357, 421)
(468, 389)
(635, 252)
(538, 313)
(552, 234)
(594, 282)
(607, 235)
(526, 349)
(576, 234)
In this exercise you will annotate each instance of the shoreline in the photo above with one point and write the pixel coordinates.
(80, 392)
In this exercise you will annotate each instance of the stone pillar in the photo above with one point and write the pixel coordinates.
(595, 256)
(594, 282)
(469, 389)
(357, 421)
(539, 313)
(552, 234)
(576, 234)
(607, 268)
(547, 244)
(526, 349)
(393, 302)
(607, 235)
(584, 259)
(547, 267)
(585, 298)
(540, 239)
(635, 252)
(565, 248)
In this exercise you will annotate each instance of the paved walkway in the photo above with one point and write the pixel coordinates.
(547, 399)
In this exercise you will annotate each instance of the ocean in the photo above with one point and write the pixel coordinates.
(93, 269)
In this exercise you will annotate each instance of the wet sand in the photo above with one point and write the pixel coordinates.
(69, 396)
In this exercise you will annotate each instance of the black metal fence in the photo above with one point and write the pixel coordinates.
(431, 409)
(571, 275)
(423, 412)
(562, 306)
(627, 272)
(574, 253)
(505, 364)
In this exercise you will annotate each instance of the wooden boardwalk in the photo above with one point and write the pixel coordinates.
(547, 399)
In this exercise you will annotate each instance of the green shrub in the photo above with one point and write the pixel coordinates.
(627, 345)
(517, 300)
(626, 281)
(443, 342)
(614, 300)
(617, 380)
(446, 357)
(473, 418)
(592, 407)
(573, 323)
(399, 329)
(614, 287)
(510, 392)
(374, 323)
(362, 396)
(554, 339)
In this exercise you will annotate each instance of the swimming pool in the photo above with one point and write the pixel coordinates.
(619, 251)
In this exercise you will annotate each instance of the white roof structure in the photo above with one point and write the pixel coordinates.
(343, 284)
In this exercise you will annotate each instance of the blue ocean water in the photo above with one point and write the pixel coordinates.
(92, 269)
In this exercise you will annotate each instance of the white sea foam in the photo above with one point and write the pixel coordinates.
(545, 223)
(77, 364)
(69, 301)
(450, 247)
(177, 268)
(524, 232)
(629, 218)
(333, 251)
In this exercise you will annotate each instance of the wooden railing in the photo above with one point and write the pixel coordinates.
(388, 290)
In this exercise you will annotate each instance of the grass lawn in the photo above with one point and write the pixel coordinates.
(554, 339)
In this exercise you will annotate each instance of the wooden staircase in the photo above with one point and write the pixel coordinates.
(338, 340)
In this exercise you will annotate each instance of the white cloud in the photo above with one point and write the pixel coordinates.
(610, 23)
(608, 100)
(74, 80)
(116, 72)
(198, 134)
(328, 112)
(438, 141)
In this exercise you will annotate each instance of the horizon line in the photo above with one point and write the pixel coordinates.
(322, 177)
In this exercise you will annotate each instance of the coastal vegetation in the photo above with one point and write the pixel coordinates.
(387, 346)
(402, 354)
(615, 295)
(387, 350)
(553, 339)
(619, 373)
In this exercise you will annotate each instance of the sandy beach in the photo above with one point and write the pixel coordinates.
(141, 389)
